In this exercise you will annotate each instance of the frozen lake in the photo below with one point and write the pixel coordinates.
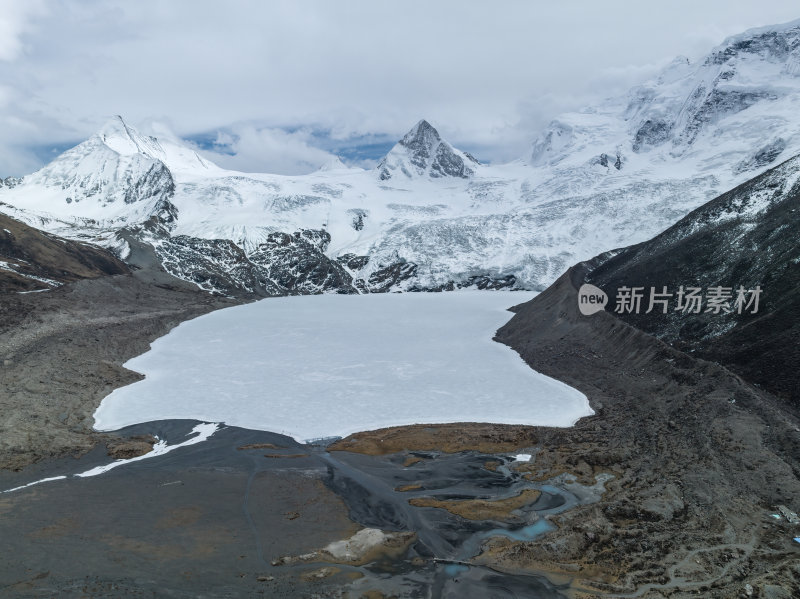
(330, 365)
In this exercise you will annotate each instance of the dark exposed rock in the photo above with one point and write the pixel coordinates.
(651, 133)
(157, 182)
(707, 107)
(10, 182)
(449, 164)
(387, 277)
(318, 238)
(358, 218)
(166, 213)
(775, 45)
(489, 282)
(297, 263)
(478, 281)
(352, 261)
(284, 264)
(216, 265)
(763, 157)
(449, 286)
(420, 142)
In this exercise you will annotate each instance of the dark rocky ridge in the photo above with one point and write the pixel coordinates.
(9, 182)
(710, 105)
(652, 133)
(286, 264)
(297, 263)
(33, 258)
(762, 157)
(746, 237)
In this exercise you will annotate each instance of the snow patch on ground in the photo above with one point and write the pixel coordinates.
(36, 482)
(202, 432)
(322, 366)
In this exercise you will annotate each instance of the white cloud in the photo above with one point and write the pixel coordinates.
(250, 149)
(489, 75)
(15, 20)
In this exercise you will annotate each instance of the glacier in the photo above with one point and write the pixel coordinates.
(327, 365)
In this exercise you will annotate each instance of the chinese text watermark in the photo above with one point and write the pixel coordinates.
(686, 300)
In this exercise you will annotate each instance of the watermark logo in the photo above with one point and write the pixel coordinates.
(591, 299)
(686, 300)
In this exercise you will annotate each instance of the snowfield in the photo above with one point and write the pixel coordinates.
(330, 365)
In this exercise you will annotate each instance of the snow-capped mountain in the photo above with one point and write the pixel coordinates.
(431, 216)
(423, 153)
(739, 99)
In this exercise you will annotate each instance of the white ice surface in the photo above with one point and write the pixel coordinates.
(331, 365)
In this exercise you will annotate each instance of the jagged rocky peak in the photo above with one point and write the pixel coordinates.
(422, 152)
(421, 138)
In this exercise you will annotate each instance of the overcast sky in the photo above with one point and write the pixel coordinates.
(277, 86)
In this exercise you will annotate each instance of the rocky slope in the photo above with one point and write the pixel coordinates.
(61, 351)
(31, 260)
(700, 461)
(744, 240)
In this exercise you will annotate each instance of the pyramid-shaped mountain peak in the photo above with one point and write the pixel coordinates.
(423, 153)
